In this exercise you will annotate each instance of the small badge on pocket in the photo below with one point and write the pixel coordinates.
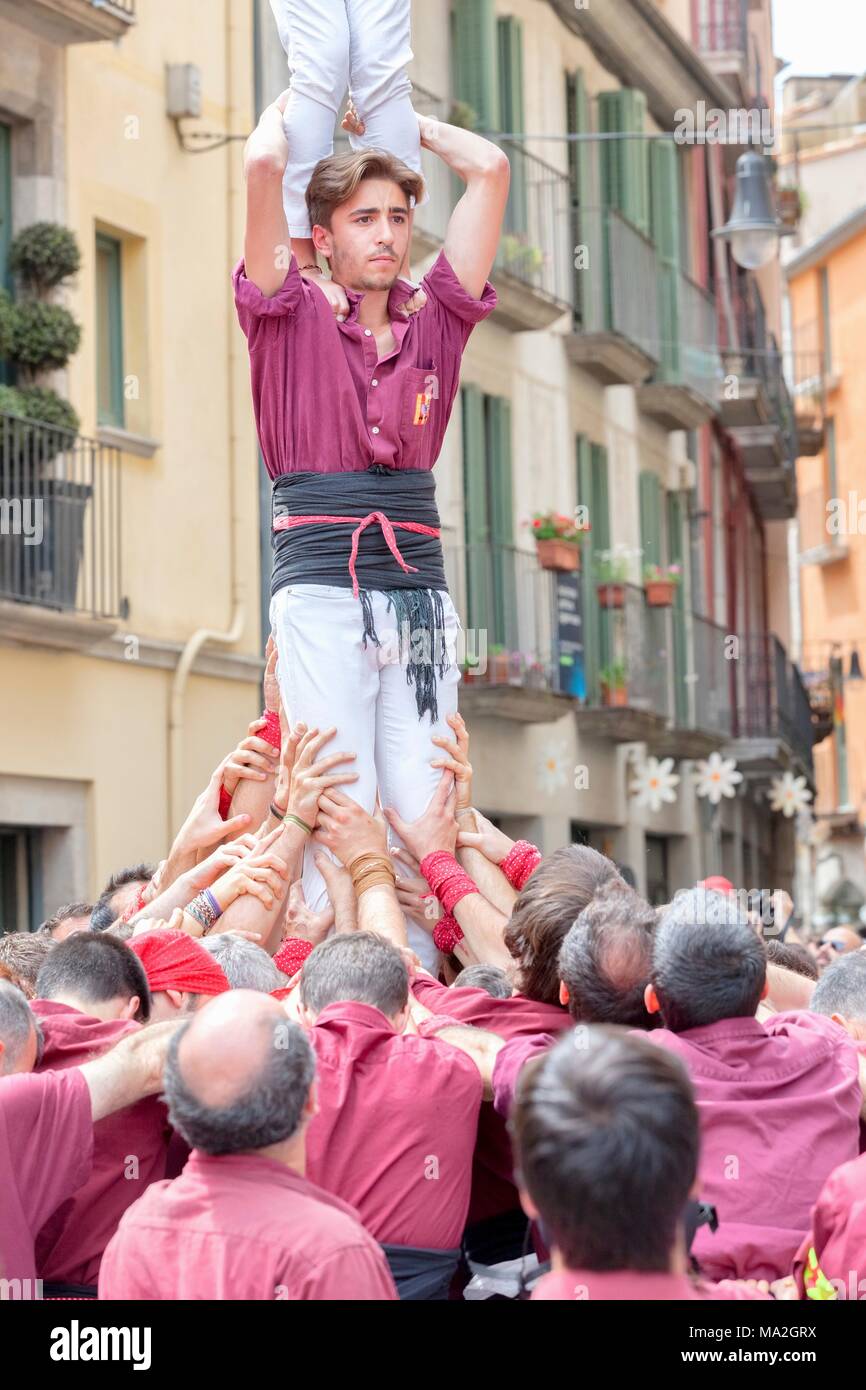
(422, 407)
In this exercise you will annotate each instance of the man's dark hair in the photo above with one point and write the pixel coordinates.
(358, 966)
(268, 1111)
(63, 914)
(23, 954)
(491, 978)
(791, 956)
(606, 1144)
(606, 958)
(94, 969)
(545, 911)
(105, 911)
(708, 961)
(841, 989)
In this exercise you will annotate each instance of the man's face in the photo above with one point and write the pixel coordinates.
(368, 237)
(836, 942)
(70, 926)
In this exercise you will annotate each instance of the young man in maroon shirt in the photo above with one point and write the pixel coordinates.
(351, 411)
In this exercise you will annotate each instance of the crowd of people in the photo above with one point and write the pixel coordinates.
(210, 1091)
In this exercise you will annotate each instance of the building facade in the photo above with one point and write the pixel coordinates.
(630, 369)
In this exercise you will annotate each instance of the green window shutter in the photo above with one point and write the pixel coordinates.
(584, 217)
(474, 56)
(6, 281)
(511, 114)
(476, 528)
(109, 332)
(676, 552)
(666, 235)
(501, 504)
(650, 519)
(592, 492)
(625, 180)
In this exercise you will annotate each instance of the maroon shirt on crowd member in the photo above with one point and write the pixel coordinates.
(46, 1151)
(323, 400)
(627, 1285)
(838, 1233)
(493, 1190)
(390, 1105)
(242, 1226)
(129, 1151)
(779, 1105)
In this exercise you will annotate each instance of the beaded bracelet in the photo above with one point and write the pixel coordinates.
(205, 909)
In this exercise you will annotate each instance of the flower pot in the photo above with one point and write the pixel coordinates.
(558, 555)
(611, 595)
(788, 206)
(614, 695)
(659, 593)
(499, 668)
(471, 675)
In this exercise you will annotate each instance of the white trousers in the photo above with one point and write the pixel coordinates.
(329, 678)
(332, 46)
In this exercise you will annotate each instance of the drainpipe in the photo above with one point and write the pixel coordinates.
(176, 805)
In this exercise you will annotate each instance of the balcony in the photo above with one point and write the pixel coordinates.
(629, 695)
(723, 44)
(534, 264)
(519, 625)
(820, 542)
(701, 707)
(809, 388)
(72, 21)
(772, 728)
(616, 330)
(60, 548)
(826, 666)
(684, 390)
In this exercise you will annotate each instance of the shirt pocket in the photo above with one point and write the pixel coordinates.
(418, 408)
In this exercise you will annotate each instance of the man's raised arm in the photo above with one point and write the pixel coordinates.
(267, 246)
(473, 232)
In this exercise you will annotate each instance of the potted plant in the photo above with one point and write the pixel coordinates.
(789, 206)
(519, 255)
(611, 576)
(612, 680)
(659, 583)
(499, 664)
(471, 669)
(558, 540)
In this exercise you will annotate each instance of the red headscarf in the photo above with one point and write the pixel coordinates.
(173, 960)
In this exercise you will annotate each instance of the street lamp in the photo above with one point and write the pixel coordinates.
(753, 228)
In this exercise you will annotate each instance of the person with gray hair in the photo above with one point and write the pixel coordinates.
(840, 994)
(779, 1097)
(245, 965)
(395, 1110)
(20, 1034)
(242, 1221)
(22, 953)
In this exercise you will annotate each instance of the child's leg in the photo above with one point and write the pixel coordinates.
(315, 35)
(381, 49)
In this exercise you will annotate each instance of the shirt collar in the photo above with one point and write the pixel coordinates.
(748, 1027)
(401, 291)
(350, 1011)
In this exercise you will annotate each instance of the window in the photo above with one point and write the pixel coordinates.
(5, 224)
(491, 586)
(474, 53)
(109, 332)
(657, 891)
(21, 904)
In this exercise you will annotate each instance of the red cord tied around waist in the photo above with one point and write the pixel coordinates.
(287, 523)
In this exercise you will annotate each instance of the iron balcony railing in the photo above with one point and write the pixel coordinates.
(616, 291)
(771, 697)
(724, 29)
(822, 528)
(60, 519)
(703, 693)
(688, 348)
(507, 606)
(536, 246)
(633, 655)
(124, 7)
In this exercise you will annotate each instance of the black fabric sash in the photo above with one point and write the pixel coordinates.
(421, 1274)
(318, 553)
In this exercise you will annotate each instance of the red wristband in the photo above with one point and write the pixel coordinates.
(520, 863)
(225, 804)
(446, 934)
(449, 882)
(292, 954)
(271, 733)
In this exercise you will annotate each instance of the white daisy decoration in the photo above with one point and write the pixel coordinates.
(789, 794)
(654, 783)
(716, 777)
(553, 768)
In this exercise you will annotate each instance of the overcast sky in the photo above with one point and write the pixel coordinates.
(820, 36)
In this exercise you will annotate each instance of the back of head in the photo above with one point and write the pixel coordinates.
(16, 1027)
(23, 953)
(70, 917)
(246, 965)
(336, 179)
(841, 989)
(708, 962)
(606, 959)
(119, 893)
(491, 978)
(545, 911)
(237, 1078)
(94, 969)
(361, 967)
(790, 955)
(606, 1145)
